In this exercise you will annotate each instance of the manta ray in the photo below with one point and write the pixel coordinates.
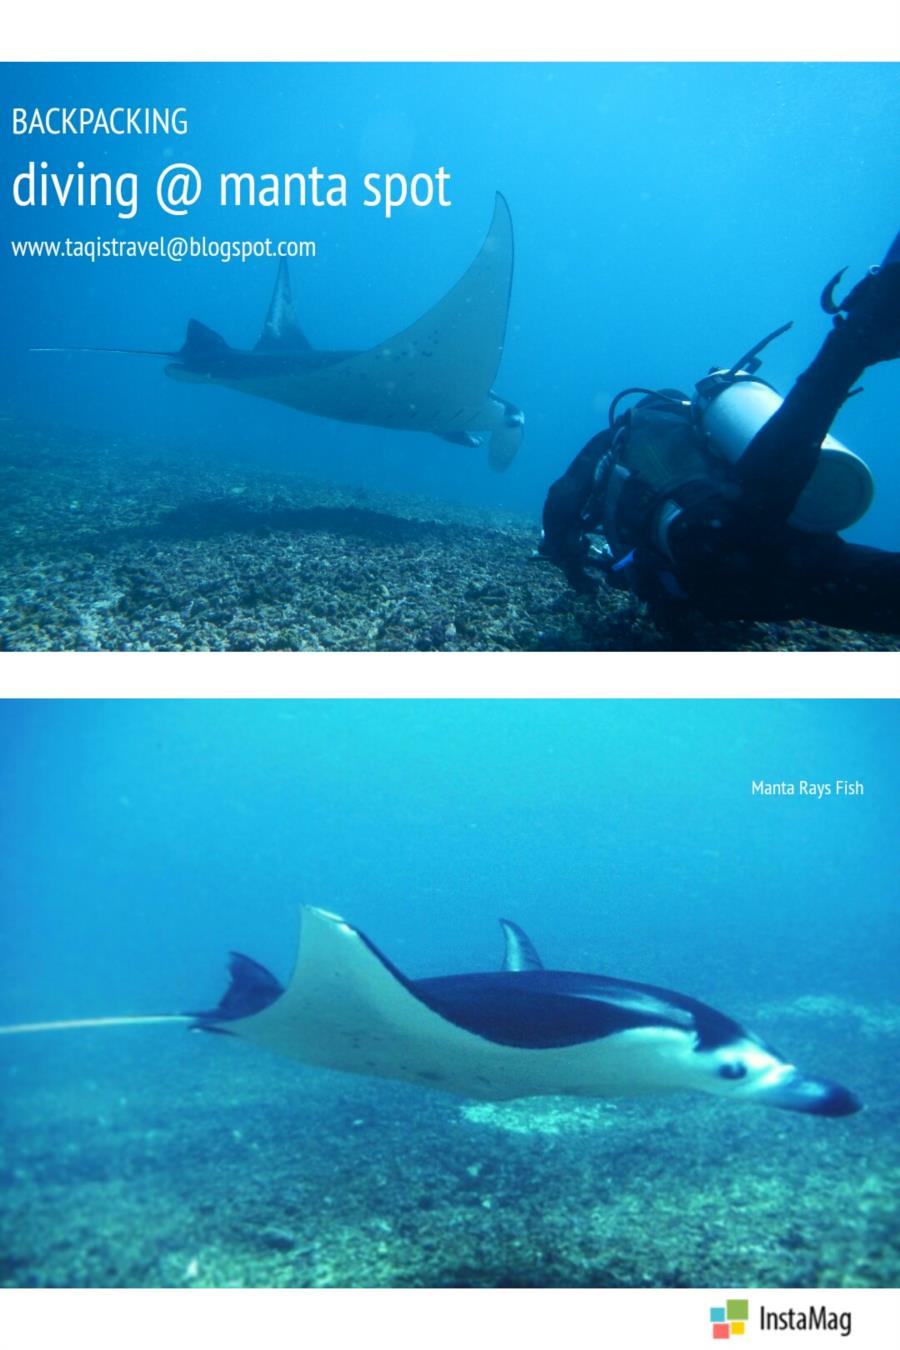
(522, 1031)
(434, 376)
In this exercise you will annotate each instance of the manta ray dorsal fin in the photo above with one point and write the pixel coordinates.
(281, 331)
(251, 988)
(520, 953)
(201, 342)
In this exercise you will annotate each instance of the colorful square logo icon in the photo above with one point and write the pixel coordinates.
(729, 1320)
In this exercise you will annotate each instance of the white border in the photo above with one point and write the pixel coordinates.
(450, 675)
(467, 30)
(427, 1319)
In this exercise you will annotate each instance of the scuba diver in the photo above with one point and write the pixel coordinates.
(729, 503)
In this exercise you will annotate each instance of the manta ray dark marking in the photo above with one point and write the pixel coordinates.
(522, 1031)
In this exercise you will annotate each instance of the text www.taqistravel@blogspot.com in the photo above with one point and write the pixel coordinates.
(169, 248)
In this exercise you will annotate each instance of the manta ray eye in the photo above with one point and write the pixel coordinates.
(733, 1070)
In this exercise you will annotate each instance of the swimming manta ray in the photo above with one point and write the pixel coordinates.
(435, 376)
(521, 1032)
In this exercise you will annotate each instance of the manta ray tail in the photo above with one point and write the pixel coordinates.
(115, 351)
(200, 343)
(85, 1023)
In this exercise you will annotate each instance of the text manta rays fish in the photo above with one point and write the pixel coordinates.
(435, 376)
(520, 1032)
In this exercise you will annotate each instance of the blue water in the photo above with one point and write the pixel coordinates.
(142, 840)
(666, 217)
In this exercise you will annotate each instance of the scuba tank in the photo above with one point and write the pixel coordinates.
(732, 405)
(670, 451)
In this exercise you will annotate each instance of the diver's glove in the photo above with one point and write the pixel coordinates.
(869, 318)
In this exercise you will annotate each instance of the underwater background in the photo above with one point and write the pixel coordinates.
(141, 840)
(666, 217)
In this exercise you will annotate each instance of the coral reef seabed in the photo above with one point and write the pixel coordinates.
(107, 545)
(155, 1158)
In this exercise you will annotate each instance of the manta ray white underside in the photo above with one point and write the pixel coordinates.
(346, 1008)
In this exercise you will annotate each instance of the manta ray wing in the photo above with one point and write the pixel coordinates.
(437, 374)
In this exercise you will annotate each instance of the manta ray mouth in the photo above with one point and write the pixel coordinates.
(812, 1096)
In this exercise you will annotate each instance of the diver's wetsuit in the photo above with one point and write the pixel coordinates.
(736, 557)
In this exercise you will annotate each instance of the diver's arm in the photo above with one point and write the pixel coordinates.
(562, 536)
(780, 459)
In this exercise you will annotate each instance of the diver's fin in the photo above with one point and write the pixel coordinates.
(520, 953)
(281, 331)
(250, 989)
